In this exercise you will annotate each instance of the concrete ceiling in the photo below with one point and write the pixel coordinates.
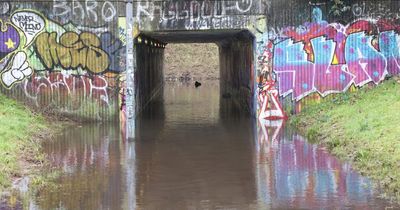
(203, 36)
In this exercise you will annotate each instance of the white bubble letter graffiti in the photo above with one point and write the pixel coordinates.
(30, 23)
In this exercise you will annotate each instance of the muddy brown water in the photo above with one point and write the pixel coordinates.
(187, 156)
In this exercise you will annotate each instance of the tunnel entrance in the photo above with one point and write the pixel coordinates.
(236, 68)
(191, 90)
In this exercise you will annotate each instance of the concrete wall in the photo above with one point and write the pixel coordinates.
(149, 75)
(68, 57)
(64, 57)
(315, 49)
(169, 15)
(219, 20)
(306, 50)
(237, 75)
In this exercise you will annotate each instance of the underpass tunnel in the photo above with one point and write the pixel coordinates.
(149, 81)
(236, 70)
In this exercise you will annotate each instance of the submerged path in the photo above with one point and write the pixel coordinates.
(189, 157)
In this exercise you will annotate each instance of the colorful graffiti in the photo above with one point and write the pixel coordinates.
(44, 60)
(268, 99)
(30, 23)
(327, 58)
(95, 87)
(9, 39)
(17, 71)
(65, 47)
(73, 51)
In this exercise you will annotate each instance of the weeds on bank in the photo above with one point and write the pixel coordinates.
(17, 127)
(361, 127)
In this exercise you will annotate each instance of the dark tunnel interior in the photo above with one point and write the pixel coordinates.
(236, 59)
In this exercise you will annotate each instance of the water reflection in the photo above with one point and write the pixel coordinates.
(190, 158)
(93, 160)
(196, 166)
(294, 173)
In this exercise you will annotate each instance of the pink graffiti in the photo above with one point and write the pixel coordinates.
(58, 84)
(270, 107)
(268, 134)
(329, 58)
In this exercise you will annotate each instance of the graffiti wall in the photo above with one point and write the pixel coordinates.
(62, 56)
(70, 56)
(320, 57)
(197, 14)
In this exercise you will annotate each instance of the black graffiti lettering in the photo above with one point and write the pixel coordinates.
(27, 23)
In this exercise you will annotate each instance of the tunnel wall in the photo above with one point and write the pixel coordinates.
(149, 77)
(236, 76)
(197, 14)
(236, 56)
(313, 49)
(306, 50)
(41, 66)
(64, 57)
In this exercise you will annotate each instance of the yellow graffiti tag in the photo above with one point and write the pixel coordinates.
(72, 51)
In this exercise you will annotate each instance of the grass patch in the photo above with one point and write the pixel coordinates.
(362, 127)
(20, 131)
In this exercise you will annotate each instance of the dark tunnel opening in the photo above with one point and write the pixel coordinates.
(236, 69)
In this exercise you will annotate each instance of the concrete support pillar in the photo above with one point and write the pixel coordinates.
(130, 73)
(237, 76)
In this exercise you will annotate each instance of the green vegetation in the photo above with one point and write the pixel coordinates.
(88, 110)
(362, 127)
(20, 132)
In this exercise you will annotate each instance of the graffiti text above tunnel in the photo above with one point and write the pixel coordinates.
(198, 14)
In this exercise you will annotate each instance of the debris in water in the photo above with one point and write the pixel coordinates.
(197, 84)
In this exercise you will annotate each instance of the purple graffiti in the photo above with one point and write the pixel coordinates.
(113, 47)
(329, 58)
(389, 46)
(9, 40)
(363, 60)
(329, 78)
(295, 73)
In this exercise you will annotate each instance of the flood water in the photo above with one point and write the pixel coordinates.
(187, 156)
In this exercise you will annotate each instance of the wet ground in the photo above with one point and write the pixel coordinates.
(187, 156)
